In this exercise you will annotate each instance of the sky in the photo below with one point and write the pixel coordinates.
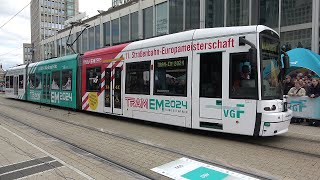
(18, 30)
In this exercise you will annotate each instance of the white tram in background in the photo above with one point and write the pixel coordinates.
(15, 82)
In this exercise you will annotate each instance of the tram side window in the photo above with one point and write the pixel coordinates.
(93, 79)
(11, 81)
(55, 84)
(7, 81)
(31, 81)
(21, 81)
(138, 78)
(211, 75)
(243, 77)
(38, 83)
(170, 77)
(66, 80)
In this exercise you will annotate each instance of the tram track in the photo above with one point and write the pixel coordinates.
(280, 142)
(302, 139)
(138, 175)
(286, 149)
(165, 149)
(305, 144)
(248, 140)
(243, 139)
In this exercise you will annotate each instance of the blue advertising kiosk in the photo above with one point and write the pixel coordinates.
(305, 107)
(304, 58)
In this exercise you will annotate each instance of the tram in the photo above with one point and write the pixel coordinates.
(15, 82)
(217, 79)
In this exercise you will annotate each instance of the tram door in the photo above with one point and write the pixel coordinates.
(117, 95)
(107, 91)
(210, 89)
(46, 96)
(15, 85)
(113, 88)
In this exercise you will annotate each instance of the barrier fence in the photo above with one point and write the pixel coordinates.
(304, 107)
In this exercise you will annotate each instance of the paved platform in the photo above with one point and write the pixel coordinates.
(27, 148)
(20, 158)
(280, 159)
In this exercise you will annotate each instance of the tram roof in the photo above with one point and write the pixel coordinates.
(56, 60)
(107, 50)
(228, 31)
(17, 67)
(179, 38)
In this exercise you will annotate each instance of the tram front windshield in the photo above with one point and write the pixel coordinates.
(271, 68)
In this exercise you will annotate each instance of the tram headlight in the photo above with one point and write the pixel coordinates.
(270, 109)
(267, 124)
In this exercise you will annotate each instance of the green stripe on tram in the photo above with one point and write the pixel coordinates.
(240, 105)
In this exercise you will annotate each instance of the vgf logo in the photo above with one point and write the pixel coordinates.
(298, 106)
(233, 112)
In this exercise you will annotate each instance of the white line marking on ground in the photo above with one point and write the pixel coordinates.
(21, 162)
(29, 167)
(25, 177)
(48, 154)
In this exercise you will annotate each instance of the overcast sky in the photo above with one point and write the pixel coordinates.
(17, 31)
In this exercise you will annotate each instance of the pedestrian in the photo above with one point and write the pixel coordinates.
(287, 85)
(299, 76)
(297, 90)
(314, 89)
(299, 45)
(303, 84)
(314, 92)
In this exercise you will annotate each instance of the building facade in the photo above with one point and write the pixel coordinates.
(47, 18)
(119, 2)
(297, 21)
(27, 53)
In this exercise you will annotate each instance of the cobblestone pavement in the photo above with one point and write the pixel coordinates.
(228, 150)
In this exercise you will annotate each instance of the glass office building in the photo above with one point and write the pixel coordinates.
(47, 18)
(297, 21)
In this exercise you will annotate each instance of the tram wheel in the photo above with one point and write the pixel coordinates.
(293, 120)
(316, 123)
(300, 120)
(310, 122)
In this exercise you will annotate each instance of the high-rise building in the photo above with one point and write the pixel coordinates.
(47, 18)
(297, 22)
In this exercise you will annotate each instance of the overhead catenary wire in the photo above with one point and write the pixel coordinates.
(9, 52)
(15, 15)
(7, 23)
